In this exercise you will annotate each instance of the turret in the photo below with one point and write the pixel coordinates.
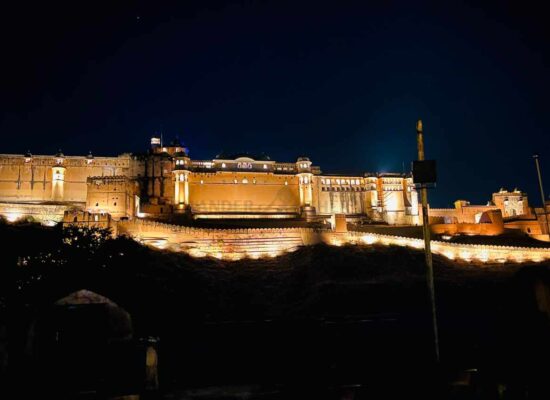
(181, 169)
(58, 177)
(155, 144)
(303, 164)
(305, 177)
(89, 158)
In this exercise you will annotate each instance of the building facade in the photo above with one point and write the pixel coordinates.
(165, 181)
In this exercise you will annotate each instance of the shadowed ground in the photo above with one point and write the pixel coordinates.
(316, 320)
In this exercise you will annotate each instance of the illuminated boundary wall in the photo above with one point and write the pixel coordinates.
(234, 244)
(453, 251)
(231, 244)
(46, 214)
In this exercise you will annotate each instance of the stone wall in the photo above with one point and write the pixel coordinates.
(463, 215)
(114, 195)
(465, 252)
(29, 179)
(232, 244)
(243, 192)
(47, 214)
(219, 243)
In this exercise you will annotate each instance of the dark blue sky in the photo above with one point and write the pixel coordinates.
(343, 83)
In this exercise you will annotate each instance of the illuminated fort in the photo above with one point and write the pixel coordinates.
(166, 182)
(153, 196)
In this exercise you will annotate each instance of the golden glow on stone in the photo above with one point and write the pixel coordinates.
(236, 244)
(369, 239)
(450, 255)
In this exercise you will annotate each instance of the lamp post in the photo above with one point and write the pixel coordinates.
(536, 157)
(426, 234)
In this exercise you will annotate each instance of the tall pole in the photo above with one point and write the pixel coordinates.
(426, 233)
(536, 157)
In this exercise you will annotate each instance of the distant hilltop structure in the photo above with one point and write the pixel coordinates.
(165, 181)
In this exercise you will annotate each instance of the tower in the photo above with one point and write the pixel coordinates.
(58, 177)
(155, 143)
(305, 177)
(181, 170)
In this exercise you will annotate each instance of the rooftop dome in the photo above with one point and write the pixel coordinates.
(233, 156)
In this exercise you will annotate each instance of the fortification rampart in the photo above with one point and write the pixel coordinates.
(219, 243)
(269, 242)
(465, 252)
(47, 214)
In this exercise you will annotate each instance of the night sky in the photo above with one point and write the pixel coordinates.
(342, 83)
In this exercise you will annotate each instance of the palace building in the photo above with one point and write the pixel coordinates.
(166, 181)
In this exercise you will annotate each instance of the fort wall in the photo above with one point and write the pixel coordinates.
(31, 179)
(219, 243)
(237, 192)
(453, 251)
(234, 244)
(46, 214)
(462, 215)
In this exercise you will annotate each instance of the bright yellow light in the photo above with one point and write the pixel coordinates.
(483, 255)
(518, 258)
(196, 253)
(13, 216)
(450, 255)
(158, 243)
(402, 242)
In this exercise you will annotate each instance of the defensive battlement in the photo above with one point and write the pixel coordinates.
(232, 244)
